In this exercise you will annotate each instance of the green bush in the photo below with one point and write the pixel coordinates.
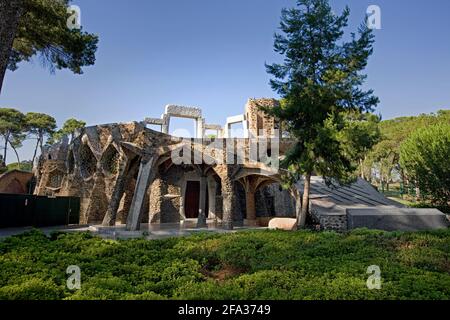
(244, 265)
(425, 158)
(32, 289)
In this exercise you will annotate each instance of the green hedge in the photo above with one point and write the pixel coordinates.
(246, 265)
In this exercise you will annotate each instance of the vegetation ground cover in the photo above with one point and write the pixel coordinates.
(245, 265)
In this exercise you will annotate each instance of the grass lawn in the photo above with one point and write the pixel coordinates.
(245, 265)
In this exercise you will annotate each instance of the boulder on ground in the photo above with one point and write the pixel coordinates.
(286, 224)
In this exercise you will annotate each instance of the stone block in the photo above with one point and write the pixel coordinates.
(184, 112)
(283, 224)
(396, 219)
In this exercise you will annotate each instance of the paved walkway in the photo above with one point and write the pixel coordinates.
(5, 233)
(148, 231)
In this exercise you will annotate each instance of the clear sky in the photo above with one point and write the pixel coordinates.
(211, 54)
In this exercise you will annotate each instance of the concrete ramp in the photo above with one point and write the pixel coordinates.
(396, 219)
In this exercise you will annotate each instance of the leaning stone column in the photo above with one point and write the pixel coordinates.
(145, 177)
(119, 188)
(202, 209)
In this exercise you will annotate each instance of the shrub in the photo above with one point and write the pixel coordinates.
(424, 156)
(244, 265)
(32, 289)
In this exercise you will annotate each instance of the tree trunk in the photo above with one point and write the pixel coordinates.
(17, 156)
(10, 12)
(6, 137)
(418, 193)
(35, 152)
(41, 143)
(305, 202)
(295, 193)
(361, 167)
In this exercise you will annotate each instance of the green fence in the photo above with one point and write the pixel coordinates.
(36, 211)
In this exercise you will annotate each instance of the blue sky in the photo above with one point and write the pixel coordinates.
(211, 54)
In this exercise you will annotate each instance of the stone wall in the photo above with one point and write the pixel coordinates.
(102, 163)
(330, 222)
(257, 120)
(273, 201)
(90, 166)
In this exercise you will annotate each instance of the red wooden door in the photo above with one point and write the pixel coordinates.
(192, 199)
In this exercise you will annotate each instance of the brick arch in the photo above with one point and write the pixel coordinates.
(15, 182)
(15, 187)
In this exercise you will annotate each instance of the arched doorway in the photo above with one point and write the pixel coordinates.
(192, 200)
(264, 197)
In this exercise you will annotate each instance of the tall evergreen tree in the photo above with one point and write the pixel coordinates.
(69, 128)
(319, 80)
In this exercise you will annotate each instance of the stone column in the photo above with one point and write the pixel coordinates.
(157, 192)
(200, 131)
(227, 131)
(245, 128)
(202, 208)
(116, 197)
(145, 177)
(228, 201)
(250, 205)
(166, 124)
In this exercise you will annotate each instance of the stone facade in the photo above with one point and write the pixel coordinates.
(126, 173)
(259, 124)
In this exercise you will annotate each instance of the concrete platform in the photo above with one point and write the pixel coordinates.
(163, 231)
(148, 231)
(6, 233)
(397, 219)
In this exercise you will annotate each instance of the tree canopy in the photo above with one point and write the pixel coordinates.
(15, 128)
(39, 125)
(39, 27)
(425, 158)
(68, 129)
(384, 157)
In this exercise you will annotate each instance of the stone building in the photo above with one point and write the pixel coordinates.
(130, 174)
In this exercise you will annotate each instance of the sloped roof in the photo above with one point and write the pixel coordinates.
(336, 200)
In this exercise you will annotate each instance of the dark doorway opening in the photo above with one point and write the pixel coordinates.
(192, 199)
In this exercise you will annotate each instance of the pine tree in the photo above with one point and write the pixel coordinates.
(319, 81)
(31, 28)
